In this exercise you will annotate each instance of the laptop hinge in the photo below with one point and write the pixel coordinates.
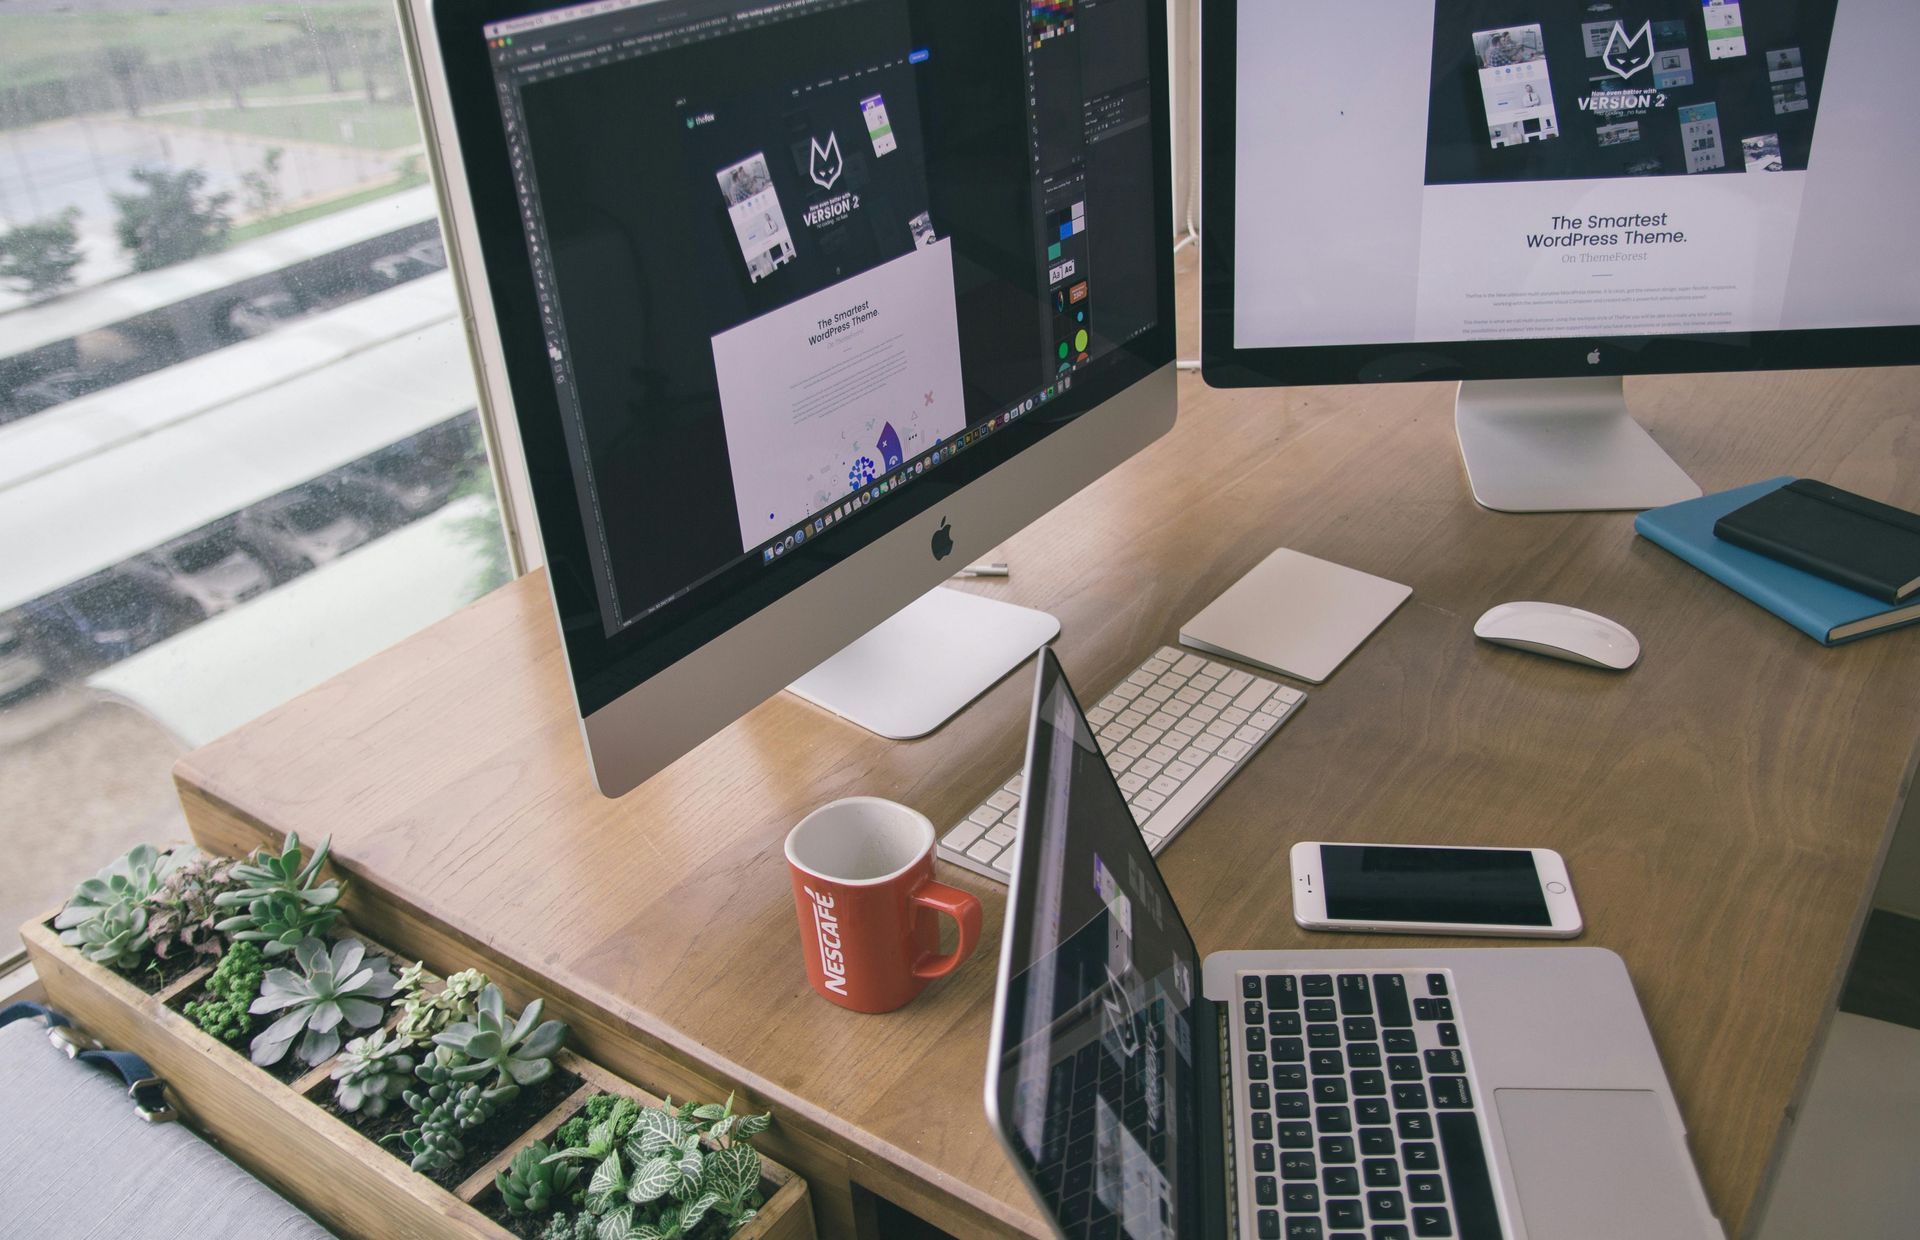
(1230, 1163)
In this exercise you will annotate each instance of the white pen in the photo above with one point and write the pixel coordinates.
(984, 570)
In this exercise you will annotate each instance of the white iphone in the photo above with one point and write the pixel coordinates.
(1413, 889)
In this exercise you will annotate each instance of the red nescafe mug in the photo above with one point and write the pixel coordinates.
(869, 908)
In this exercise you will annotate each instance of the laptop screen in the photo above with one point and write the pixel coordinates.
(1107, 1059)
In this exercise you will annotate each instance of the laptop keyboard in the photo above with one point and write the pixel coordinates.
(1355, 1115)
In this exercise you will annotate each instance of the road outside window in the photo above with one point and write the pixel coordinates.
(238, 446)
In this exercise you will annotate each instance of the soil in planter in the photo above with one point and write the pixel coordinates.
(508, 1124)
(157, 974)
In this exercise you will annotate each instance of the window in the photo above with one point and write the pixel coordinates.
(238, 442)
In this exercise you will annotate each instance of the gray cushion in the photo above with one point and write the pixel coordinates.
(76, 1162)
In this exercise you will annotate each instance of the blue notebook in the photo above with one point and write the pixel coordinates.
(1824, 611)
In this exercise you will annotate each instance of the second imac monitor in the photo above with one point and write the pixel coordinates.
(1539, 199)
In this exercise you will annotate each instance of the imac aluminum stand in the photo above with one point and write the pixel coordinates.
(926, 662)
(1561, 445)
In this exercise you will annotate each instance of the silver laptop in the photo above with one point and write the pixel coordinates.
(1305, 1095)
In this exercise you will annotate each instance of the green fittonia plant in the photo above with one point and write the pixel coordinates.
(279, 902)
(230, 990)
(424, 1014)
(371, 1074)
(512, 1053)
(328, 989)
(679, 1172)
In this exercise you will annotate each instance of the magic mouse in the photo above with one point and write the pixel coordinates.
(1560, 632)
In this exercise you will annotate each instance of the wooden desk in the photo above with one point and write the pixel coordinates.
(1723, 807)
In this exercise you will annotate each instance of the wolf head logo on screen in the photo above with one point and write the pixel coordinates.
(1627, 56)
(823, 162)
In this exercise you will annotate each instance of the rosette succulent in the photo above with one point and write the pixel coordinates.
(510, 1052)
(278, 900)
(532, 1185)
(371, 1073)
(106, 917)
(116, 936)
(327, 989)
(424, 1014)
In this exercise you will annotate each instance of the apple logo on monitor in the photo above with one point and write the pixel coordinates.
(1593, 358)
(942, 541)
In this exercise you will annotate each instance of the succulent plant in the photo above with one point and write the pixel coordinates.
(183, 912)
(278, 900)
(372, 1073)
(531, 1185)
(129, 880)
(512, 1052)
(422, 1014)
(115, 936)
(445, 1108)
(230, 989)
(330, 989)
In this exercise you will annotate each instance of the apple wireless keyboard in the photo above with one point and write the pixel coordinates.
(1174, 732)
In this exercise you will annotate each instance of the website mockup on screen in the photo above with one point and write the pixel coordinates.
(1417, 172)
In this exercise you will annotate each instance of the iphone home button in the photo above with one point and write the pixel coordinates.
(1557, 888)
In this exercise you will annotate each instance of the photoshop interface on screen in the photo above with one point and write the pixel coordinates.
(789, 257)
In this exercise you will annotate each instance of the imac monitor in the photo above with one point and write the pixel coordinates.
(798, 307)
(1537, 199)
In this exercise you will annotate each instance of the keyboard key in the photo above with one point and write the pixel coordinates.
(963, 836)
(1262, 1157)
(1473, 1202)
(1336, 1149)
(1234, 681)
(1269, 1225)
(1262, 1126)
(1304, 1228)
(1390, 992)
(1334, 1119)
(1390, 1231)
(1298, 1165)
(1368, 1083)
(1450, 1093)
(1252, 1012)
(1386, 1205)
(1400, 1042)
(1233, 751)
(1253, 695)
(1420, 1156)
(1425, 1189)
(1256, 1039)
(1449, 1033)
(985, 850)
(1322, 1010)
(1418, 1125)
(1004, 801)
(1436, 983)
(1324, 1037)
(1381, 1173)
(1364, 1054)
(1433, 1009)
(1283, 1024)
(1282, 991)
(1409, 1097)
(1359, 1029)
(1294, 1136)
(1341, 1182)
(1256, 1067)
(1266, 1190)
(1327, 1063)
(1301, 1198)
(1292, 1106)
(1329, 1089)
(1287, 1050)
(1370, 1110)
(1356, 997)
(1000, 834)
(1003, 862)
(1431, 1221)
(1289, 1076)
(1376, 1141)
(1404, 1068)
(1259, 1097)
(1445, 1061)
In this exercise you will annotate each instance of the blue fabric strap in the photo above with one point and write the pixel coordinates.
(149, 1092)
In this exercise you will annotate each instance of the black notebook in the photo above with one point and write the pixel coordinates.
(1860, 543)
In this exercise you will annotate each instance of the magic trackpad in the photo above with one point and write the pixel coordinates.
(1600, 1164)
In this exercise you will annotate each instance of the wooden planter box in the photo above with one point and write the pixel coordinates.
(278, 1132)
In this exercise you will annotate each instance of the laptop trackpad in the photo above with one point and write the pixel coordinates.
(1599, 1163)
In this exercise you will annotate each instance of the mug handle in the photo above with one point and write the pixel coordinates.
(965, 911)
